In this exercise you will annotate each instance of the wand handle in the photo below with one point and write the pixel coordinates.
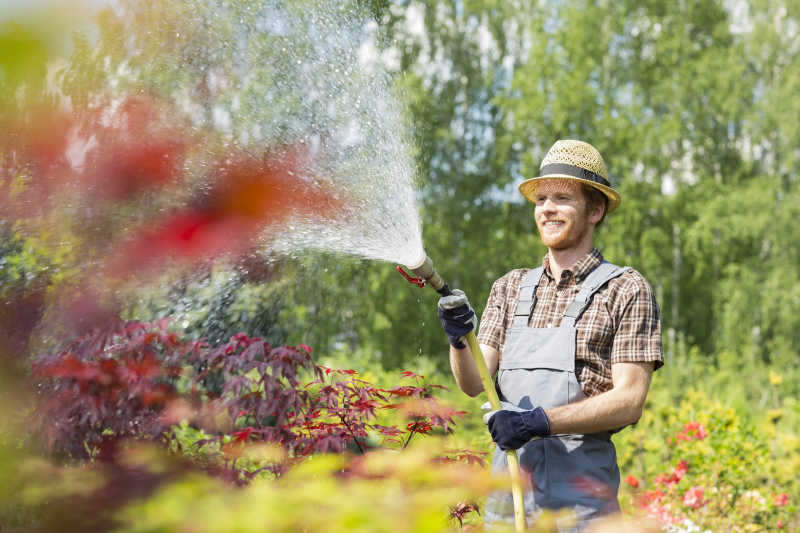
(427, 275)
(494, 401)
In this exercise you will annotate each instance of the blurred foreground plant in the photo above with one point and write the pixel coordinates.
(381, 490)
(241, 412)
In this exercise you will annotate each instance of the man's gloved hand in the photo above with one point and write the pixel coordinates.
(511, 427)
(457, 317)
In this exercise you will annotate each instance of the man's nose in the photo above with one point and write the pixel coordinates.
(548, 205)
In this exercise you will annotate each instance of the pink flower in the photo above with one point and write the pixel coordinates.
(663, 514)
(651, 497)
(680, 470)
(690, 431)
(780, 524)
(673, 478)
(781, 499)
(632, 481)
(696, 430)
(694, 497)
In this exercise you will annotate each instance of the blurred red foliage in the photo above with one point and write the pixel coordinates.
(121, 382)
(20, 312)
(250, 195)
(594, 488)
(137, 147)
(107, 385)
(100, 156)
(133, 381)
(116, 183)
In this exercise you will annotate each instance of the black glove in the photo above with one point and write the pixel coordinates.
(457, 317)
(512, 429)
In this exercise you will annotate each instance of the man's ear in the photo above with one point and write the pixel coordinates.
(596, 215)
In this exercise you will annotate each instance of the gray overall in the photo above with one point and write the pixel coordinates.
(538, 369)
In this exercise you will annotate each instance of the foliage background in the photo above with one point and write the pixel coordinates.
(687, 102)
(693, 106)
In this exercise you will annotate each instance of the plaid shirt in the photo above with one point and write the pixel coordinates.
(620, 324)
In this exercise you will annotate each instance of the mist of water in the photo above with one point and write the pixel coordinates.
(308, 76)
(347, 98)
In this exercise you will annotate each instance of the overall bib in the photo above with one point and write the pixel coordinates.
(538, 369)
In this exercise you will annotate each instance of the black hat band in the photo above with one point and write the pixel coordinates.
(575, 172)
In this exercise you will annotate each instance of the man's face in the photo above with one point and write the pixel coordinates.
(561, 213)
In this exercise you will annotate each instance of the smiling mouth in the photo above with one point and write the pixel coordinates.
(552, 223)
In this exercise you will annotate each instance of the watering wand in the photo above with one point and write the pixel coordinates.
(426, 275)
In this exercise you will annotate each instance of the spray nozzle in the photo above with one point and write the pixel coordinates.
(419, 282)
(427, 276)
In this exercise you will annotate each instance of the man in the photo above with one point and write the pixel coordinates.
(574, 344)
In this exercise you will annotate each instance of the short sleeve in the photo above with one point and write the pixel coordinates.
(493, 323)
(638, 335)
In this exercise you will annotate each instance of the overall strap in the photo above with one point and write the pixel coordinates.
(602, 274)
(527, 297)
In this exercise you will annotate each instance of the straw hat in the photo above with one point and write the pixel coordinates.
(578, 161)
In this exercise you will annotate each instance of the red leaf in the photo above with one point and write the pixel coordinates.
(392, 431)
(242, 436)
(406, 391)
(139, 150)
(419, 426)
(592, 487)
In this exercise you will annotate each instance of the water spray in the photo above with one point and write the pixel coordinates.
(427, 275)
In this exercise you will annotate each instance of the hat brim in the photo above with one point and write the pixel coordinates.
(528, 189)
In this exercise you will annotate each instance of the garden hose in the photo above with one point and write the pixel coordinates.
(426, 275)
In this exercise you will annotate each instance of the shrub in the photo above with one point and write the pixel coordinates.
(706, 467)
(243, 412)
(108, 385)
